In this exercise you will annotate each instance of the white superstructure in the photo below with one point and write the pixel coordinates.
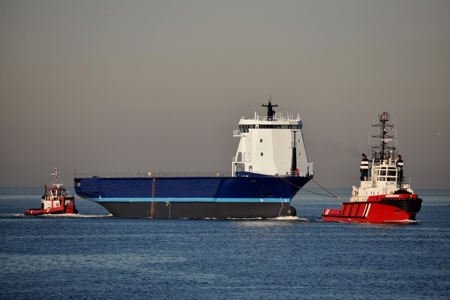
(271, 145)
(386, 178)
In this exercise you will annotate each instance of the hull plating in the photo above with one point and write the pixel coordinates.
(193, 197)
(198, 210)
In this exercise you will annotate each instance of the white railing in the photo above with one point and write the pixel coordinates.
(151, 174)
(277, 117)
(294, 173)
(175, 174)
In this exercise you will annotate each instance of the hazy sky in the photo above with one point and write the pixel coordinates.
(122, 86)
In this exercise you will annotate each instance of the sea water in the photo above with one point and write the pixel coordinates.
(95, 256)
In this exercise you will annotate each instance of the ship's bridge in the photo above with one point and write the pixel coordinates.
(386, 174)
(278, 121)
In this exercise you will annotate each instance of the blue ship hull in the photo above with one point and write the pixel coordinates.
(247, 195)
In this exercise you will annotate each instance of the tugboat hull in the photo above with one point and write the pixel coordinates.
(384, 211)
(69, 209)
(51, 211)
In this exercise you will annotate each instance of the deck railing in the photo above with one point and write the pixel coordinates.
(150, 174)
(176, 174)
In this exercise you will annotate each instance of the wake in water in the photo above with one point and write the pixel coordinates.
(403, 221)
(290, 218)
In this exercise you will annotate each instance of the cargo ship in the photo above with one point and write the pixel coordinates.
(269, 168)
(383, 195)
(55, 200)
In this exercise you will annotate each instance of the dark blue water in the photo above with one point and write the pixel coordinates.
(94, 256)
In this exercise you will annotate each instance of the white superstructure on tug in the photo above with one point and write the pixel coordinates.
(271, 145)
(385, 178)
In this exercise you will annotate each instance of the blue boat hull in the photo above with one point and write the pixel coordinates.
(245, 196)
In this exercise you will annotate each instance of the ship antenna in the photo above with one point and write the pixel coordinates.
(396, 134)
(384, 117)
(368, 143)
(383, 136)
(270, 111)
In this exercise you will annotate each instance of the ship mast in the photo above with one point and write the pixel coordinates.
(270, 111)
(385, 138)
(57, 183)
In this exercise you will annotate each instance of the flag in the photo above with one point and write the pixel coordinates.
(53, 174)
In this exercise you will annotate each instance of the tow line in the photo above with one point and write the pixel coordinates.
(331, 195)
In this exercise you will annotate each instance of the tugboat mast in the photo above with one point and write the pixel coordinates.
(385, 138)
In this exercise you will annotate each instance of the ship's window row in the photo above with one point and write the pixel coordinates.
(245, 128)
(389, 174)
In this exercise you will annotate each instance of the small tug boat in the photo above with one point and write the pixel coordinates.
(383, 197)
(55, 200)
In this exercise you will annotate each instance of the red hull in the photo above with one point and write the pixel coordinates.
(377, 209)
(68, 208)
(54, 210)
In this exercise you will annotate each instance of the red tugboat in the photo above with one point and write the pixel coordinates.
(383, 197)
(55, 200)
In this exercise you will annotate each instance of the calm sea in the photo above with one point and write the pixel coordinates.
(95, 256)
